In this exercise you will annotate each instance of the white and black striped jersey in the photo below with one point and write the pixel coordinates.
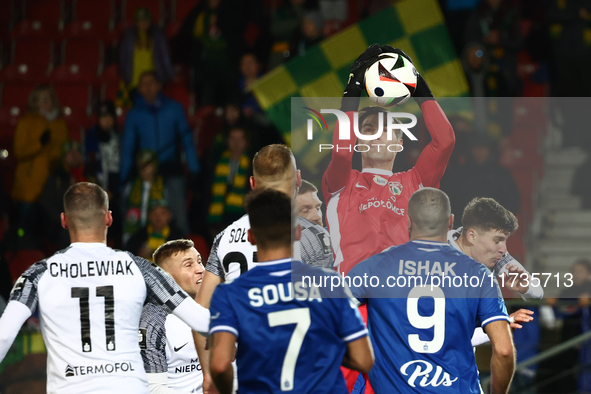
(314, 247)
(167, 345)
(90, 299)
(232, 254)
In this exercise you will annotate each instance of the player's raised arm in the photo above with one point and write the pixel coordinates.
(433, 160)
(164, 291)
(336, 175)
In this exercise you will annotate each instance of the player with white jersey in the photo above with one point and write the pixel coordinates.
(287, 341)
(166, 342)
(421, 321)
(90, 299)
(486, 227)
(231, 255)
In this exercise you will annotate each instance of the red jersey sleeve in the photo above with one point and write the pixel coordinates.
(433, 160)
(338, 171)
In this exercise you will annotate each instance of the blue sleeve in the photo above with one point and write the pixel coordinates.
(358, 292)
(223, 316)
(351, 325)
(187, 140)
(127, 148)
(491, 306)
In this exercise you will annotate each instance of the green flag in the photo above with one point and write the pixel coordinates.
(415, 26)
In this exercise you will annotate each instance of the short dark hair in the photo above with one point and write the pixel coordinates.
(85, 204)
(272, 218)
(366, 112)
(151, 73)
(171, 248)
(307, 187)
(484, 214)
(429, 210)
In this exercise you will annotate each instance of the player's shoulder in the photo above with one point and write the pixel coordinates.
(240, 223)
(153, 316)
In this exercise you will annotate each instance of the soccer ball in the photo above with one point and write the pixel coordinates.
(391, 80)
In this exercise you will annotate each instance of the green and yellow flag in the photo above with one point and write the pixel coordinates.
(415, 26)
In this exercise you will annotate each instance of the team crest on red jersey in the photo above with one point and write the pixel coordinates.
(379, 180)
(395, 188)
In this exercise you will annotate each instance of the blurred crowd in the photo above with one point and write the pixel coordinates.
(166, 178)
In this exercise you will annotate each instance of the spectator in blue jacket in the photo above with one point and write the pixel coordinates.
(157, 123)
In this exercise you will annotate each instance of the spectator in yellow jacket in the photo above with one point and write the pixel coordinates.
(38, 139)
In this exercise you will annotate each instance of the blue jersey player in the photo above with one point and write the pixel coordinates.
(429, 299)
(290, 336)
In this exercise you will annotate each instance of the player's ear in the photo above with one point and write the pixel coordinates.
(64, 220)
(109, 219)
(298, 178)
(408, 223)
(251, 237)
(252, 182)
(450, 225)
(471, 235)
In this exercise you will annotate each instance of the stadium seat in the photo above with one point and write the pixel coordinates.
(74, 96)
(9, 116)
(24, 73)
(206, 126)
(109, 91)
(7, 17)
(15, 96)
(66, 73)
(179, 9)
(201, 246)
(78, 121)
(32, 52)
(34, 29)
(110, 74)
(92, 19)
(129, 8)
(49, 12)
(180, 93)
(22, 260)
(84, 58)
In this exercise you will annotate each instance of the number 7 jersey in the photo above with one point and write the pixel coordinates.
(90, 299)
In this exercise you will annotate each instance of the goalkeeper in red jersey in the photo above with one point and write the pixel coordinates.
(366, 211)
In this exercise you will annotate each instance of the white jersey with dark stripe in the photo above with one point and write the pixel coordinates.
(314, 247)
(232, 254)
(167, 345)
(90, 298)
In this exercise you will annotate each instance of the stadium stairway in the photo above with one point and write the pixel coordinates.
(562, 228)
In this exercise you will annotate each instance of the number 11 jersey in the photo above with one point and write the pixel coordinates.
(90, 300)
